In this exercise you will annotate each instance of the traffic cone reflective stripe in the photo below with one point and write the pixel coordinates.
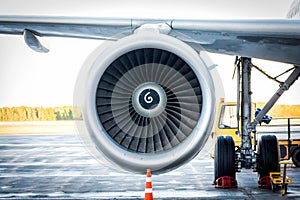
(148, 188)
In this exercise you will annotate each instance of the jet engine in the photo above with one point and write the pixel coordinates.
(147, 101)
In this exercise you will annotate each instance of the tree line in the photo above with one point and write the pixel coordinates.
(25, 113)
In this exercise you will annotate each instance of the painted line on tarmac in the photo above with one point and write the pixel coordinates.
(59, 175)
(50, 164)
(41, 145)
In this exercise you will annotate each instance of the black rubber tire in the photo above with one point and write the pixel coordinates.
(224, 157)
(268, 151)
(296, 157)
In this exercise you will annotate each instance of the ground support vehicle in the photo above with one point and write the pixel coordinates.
(290, 147)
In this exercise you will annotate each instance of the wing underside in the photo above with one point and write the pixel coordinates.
(277, 40)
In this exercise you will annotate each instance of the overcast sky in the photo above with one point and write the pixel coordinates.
(34, 79)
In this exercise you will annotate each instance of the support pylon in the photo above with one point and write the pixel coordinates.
(148, 188)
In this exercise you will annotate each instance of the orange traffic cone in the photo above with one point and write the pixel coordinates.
(148, 188)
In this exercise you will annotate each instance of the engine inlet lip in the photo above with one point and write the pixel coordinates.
(94, 135)
(149, 99)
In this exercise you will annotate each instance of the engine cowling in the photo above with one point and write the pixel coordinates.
(147, 101)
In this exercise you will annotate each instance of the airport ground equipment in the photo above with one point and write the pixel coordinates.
(148, 186)
(279, 179)
(226, 182)
(230, 158)
(290, 148)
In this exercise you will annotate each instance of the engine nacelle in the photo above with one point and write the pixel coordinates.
(147, 101)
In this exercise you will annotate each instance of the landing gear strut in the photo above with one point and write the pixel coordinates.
(266, 159)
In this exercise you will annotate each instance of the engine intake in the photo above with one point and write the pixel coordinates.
(147, 102)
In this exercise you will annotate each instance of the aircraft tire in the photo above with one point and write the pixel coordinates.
(224, 157)
(268, 155)
(296, 157)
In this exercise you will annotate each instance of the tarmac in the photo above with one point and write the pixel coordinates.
(57, 166)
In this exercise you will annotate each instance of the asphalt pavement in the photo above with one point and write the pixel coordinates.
(57, 166)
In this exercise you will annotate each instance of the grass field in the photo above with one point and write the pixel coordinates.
(37, 127)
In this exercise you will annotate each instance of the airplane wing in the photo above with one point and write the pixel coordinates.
(277, 40)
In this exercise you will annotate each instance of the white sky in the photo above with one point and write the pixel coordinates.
(34, 79)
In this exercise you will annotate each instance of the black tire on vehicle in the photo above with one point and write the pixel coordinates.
(224, 157)
(296, 157)
(268, 151)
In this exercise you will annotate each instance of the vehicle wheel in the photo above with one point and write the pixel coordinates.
(268, 151)
(224, 157)
(296, 157)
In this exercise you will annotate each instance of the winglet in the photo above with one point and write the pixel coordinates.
(33, 42)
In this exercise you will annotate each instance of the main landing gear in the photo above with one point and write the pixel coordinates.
(225, 162)
(229, 158)
(267, 160)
